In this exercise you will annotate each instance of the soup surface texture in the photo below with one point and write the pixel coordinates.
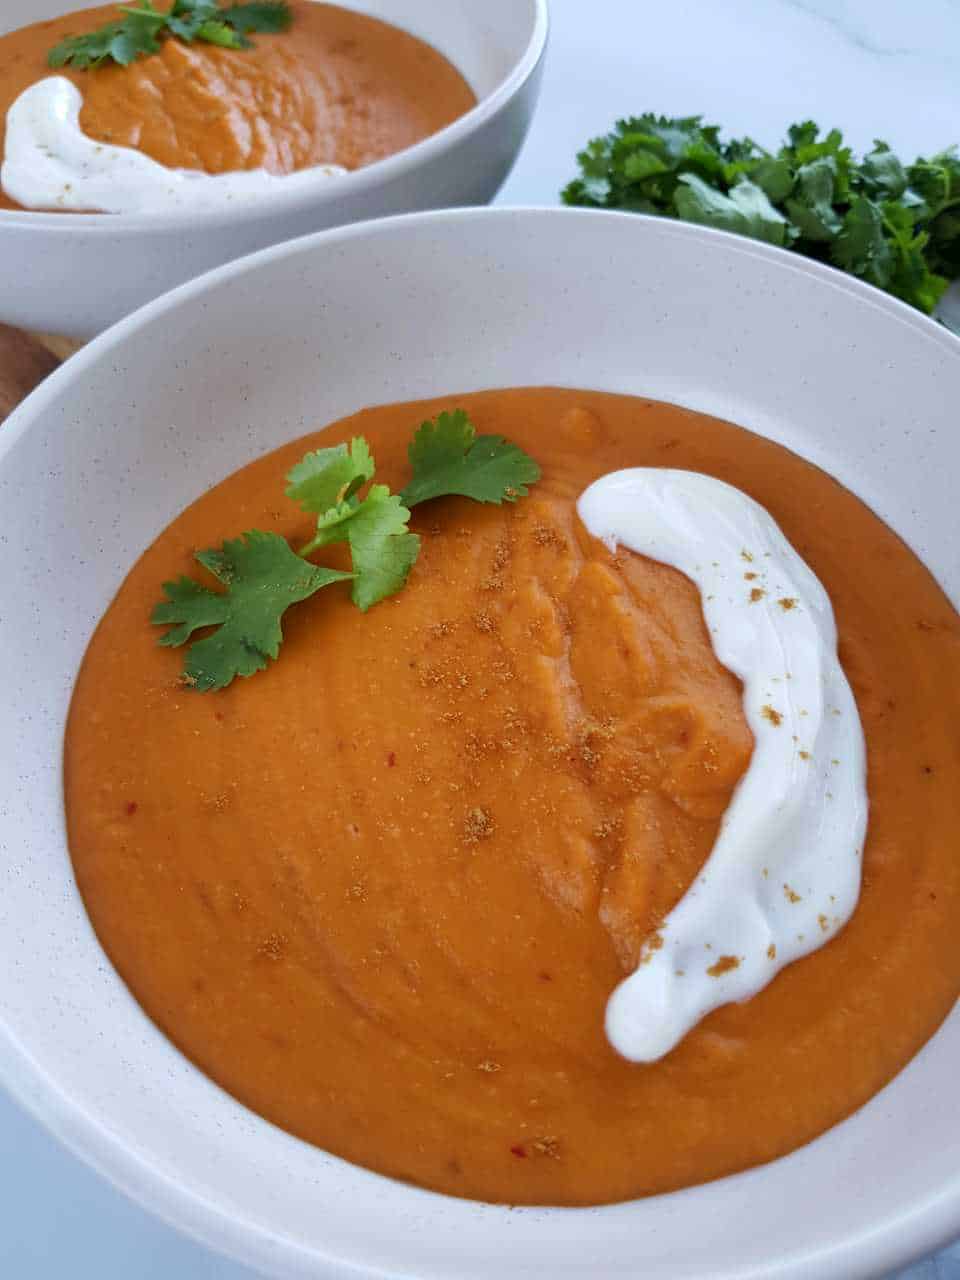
(338, 87)
(382, 891)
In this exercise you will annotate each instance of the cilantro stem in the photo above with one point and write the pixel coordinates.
(309, 548)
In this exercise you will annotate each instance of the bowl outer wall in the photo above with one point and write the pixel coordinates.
(102, 456)
(75, 274)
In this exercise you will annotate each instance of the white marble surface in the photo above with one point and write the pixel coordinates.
(872, 67)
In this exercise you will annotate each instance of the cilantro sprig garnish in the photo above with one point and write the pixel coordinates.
(262, 575)
(448, 456)
(142, 28)
(896, 226)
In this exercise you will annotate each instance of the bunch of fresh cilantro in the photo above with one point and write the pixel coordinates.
(262, 575)
(895, 226)
(139, 32)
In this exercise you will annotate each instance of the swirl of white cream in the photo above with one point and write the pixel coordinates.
(784, 873)
(50, 163)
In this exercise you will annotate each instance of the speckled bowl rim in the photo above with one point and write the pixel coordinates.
(919, 1229)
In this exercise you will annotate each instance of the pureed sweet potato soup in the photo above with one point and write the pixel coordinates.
(383, 890)
(320, 86)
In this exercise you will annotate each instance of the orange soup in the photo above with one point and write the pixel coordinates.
(382, 891)
(337, 87)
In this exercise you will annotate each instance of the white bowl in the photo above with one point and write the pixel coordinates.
(174, 398)
(75, 274)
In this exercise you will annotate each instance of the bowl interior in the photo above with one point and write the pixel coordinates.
(201, 381)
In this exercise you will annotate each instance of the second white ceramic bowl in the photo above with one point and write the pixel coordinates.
(173, 399)
(75, 274)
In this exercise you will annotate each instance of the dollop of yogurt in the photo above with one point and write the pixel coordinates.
(50, 163)
(784, 873)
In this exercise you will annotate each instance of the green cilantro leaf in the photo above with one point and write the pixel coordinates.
(747, 209)
(812, 208)
(913, 280)
(882, 174)
(861, 247)
(448, 457)
(382, 548)
(203, 20)
(188, 17)
(773, 175)
(937, 183)
(811, 147)
(219, 33)
(326, 477)
(83, 52)
(264, 17)
(142, 28)
(263, 577)
(593, 188)
(943, 252)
